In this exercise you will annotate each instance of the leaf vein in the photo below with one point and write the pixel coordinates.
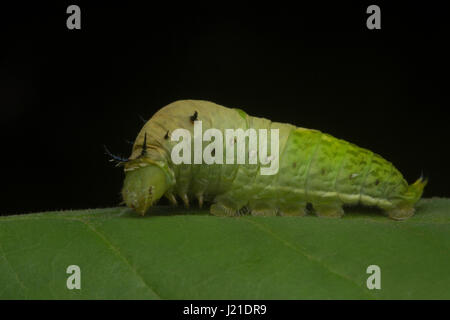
(16, 274)
(305, 254)
(119, 254)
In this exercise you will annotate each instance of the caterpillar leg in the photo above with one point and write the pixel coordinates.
(265, 212)
(329, 210)
(219, 209)
(401, 213)
(171, 198)
(299, 210)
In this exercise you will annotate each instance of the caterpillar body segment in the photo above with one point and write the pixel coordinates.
(314, 168)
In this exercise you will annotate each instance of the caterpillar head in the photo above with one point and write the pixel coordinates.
(144, 186)
(147, 176)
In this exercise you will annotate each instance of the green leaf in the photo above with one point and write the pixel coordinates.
(187, 254)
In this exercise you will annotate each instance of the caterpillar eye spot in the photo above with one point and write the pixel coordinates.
(213, 152)
(194, 117)
(166, 136)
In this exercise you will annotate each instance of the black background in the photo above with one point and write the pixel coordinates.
(64, 93)
(162, 309)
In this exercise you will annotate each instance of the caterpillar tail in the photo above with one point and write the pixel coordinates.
(405, 208)
(415, 190)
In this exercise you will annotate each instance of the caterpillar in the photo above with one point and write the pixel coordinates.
(315, 169)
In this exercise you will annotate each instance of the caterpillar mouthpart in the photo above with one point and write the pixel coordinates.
(143, 187)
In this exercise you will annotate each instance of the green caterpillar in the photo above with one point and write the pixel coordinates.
(314, 168)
